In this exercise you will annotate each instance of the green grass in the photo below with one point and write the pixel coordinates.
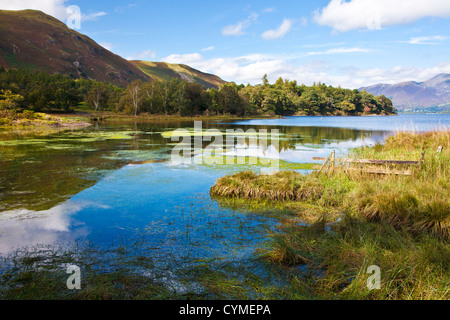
(355, 220)
(167, 71)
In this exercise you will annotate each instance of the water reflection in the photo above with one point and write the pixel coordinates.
(169, 211)
(26, 228)
(38, 175)
(118, 182)
(403, 122)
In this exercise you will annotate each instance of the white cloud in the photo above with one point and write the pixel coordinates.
(338, 51)
(431, 40)
(251, 69)
(121, 9)
(147, 54)
(92, 16)
(400, 74)
(233, 30)
(322, 45)
(190, 58)
(144, 55)
(238, 29)
(374, 14)
(269, 10)
(55, 8)
(23, 228)
(243, 69)
(211, 48)
(284, 28)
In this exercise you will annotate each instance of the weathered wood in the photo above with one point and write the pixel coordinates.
(331, 161)
(369, 161)
(320, 159)
(325, 163)
(381, 171)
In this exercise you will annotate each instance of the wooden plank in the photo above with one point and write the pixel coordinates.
(373, 171)
(369, 161)
(381, 171)
(331, 160)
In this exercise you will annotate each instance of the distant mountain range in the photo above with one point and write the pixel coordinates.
(416, 95)
(33, 40)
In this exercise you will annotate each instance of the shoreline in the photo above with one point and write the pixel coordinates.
(43, 122)
(84, 119)
(110, 116)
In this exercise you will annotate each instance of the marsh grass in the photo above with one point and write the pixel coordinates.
(400, 223)
(282, 186)
(40, 274)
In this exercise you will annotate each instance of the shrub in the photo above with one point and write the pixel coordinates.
(29, 115)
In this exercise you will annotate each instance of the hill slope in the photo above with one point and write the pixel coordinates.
(167, 71)
(433, 92)
(34, 40)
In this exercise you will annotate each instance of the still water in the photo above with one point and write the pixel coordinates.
(114, 185)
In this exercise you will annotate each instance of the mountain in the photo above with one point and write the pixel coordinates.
(167, 71)
(33, 40)
(411, 94)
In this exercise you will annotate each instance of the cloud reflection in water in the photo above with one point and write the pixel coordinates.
(22, 228)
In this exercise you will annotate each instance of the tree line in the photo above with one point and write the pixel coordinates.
(42, 92)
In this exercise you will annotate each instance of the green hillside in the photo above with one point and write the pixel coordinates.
(167, 71)
(33, 40)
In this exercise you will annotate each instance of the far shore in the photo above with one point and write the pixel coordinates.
(111, 116)
(42, 122)
(82, 119)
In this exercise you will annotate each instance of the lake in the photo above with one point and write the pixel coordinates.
(115, 186)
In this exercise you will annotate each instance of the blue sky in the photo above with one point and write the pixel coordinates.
(349, 43)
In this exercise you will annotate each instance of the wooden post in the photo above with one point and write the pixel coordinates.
(333, 159)
(324, 164)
